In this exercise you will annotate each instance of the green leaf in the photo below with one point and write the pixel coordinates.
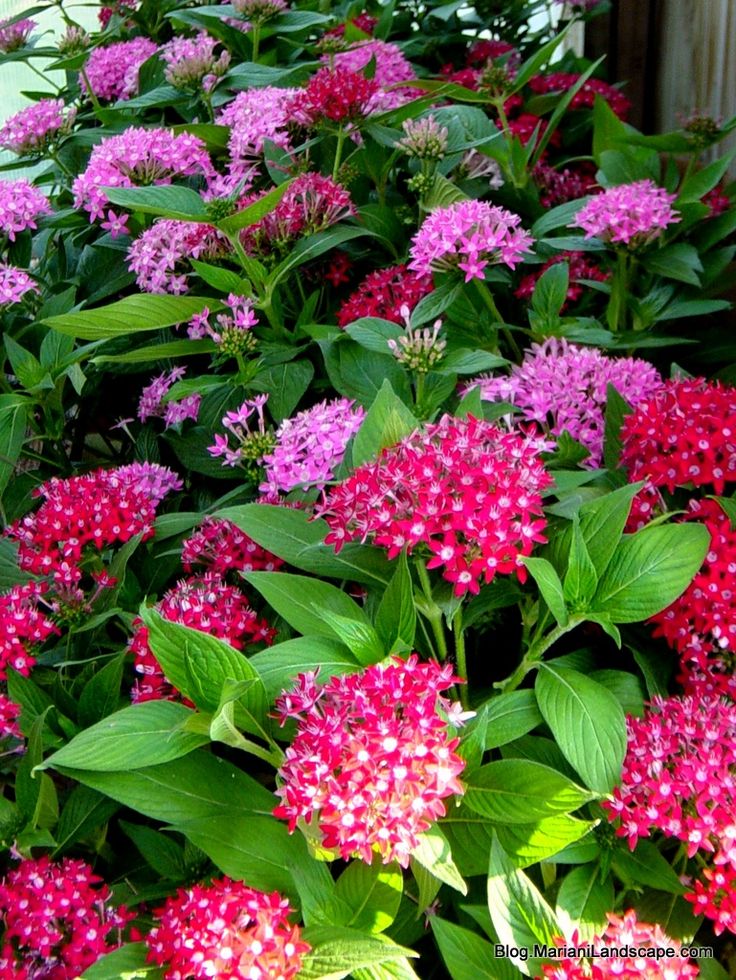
(101, 694)
(585, 899)
(520, 915)
(467, 956)
(646, 866)
(133, 314)
(396, 619)
(529, 843)
(387, 421)
(373, 333)
(703, 180)
(161, 852)
(13, 424)
(338, 951)
(587, 722)
(359, 637)
(509, 716)
(679, 261)
(311, 248)
(550, 292)
(84, 811)
(142, 735)
(617, 408)
(649, 570)
(521, 791)
(371, 894)
(544, 574)
(285, 384)
(255, 212)
(433, 853)
(166, 200)
(279, 665)
(581, 578)
(467, 361)
(158, 352)
(129, 962)
(602, 523)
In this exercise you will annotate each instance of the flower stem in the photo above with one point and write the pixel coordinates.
(460, 655)
(490, 304)
(255, 38)
(338, 153)
(534, 654)
(616, 315)
(433, 612)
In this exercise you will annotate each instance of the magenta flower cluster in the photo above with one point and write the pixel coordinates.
(112, 70)
(391, 69)
(628, 214)
(15, 283)
(469, 235)
(34, 127)
(21, 204)
(192, 61)
(153, 403)
(255, 116)
(161, 256)
(14, 34)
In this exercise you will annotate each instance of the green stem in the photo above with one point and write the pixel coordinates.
(90, 91)
(490, 304)
(616, 314)
(433, 612)
(341, 134)
(255, 38)
(534, 654)
(460, 655)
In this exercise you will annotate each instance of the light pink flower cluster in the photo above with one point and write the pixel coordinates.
(112, 71)
(136, 157)
(56, 919)
(153, 403)
(226, 930)
(21, 204)
(310, 446)
(161, 255)
(564, 387)
(372, 759)
(232, 332)
(153, 480)
(255, 116)
(15, 34)
(391, 69)
(32, 129)
(469, 236)
(191, 61)
(205, 603)
(465, 491)
(629, 214)
(679, 777)
(15, 283)
(624, 932)
(222, 547)
(251, 444)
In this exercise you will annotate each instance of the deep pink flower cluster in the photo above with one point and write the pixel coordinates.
(364, 22)
(679, 777)
(94, 511)
(624, 932)
(112, 71)
(310, 446)
(32, 129)
(468, 235)
(192, 62)
(15, 283)
(382, 293)
(333, 95)
(465, 490)
(372, 759)
(161, 255)
(9, 718)
(563, 388)
(222, 547)
(226, 930)
(714, 896)
(569, 184)
(629, 214)
(391, 69)
(586, 95)
(255, 116)
(481, 52)
(205, 603)
(135, 157)
(56, 920)
(118, 7)
(312, 203)
(153, 403)
(580, 267)
(21, 204)
(15, 34)
(683, 435)
(25, 624)
(528, 126)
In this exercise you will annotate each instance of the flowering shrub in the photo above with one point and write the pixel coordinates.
(366, 460)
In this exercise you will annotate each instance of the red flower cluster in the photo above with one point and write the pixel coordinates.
(204, 603)
(364, 22)
(526, 125)
(684, 434)
(383, 293)
(559, 186)
(714, 896)
(481, 52)
(372, 760)
(679, 776)
(581, 267)
(225, 930)
(222, 547)
(466, 490)
(585, 97)
(333, 95)
(55, 921)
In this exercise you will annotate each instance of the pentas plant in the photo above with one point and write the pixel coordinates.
(366, 579)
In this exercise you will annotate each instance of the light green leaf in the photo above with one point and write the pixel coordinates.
(129, 962)
(585, 899)
(387, 421)
(133, 314)
(338, 951)
(166, 200)
(467, 955)
(544, 574)
(529, 843)
(509, 716)
(521, 791)
(371, 893)
(433, 853)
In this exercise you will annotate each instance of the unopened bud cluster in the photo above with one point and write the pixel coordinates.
(424, 139)
(421, 349)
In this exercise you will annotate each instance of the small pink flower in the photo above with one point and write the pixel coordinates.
(630, 214)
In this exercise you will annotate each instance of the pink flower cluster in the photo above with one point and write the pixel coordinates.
(118, 7)
(15, 34)
(135, 157)
(222, 547)
(333, 95)
(679, 777)
(251, 442)
(191, 61)
(161, 255)
(112, 71)
(205, 603)
(466, 491)
(15, 283)
(391, 69)
(56, 920)
(153, 403)
(372, 759)
(630, 214)
(226, 930)
(32, 129)
(25, 624)
(232, 331)
(469, 236)
(564, 388)
(21, 204)
(310, 446)
(586, 95)
(383, 293)
(624, 932)
(255, 116)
